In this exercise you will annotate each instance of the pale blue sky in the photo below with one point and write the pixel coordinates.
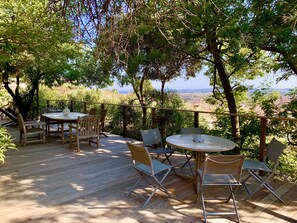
(201, 81)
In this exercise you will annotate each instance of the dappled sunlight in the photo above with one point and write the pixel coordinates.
(52, 183)
(77, 187)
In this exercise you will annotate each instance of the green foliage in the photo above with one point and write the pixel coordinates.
(6, 142)
(5, 98)
(288, 165)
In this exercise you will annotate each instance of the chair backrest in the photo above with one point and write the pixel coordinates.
(103, 113)
(151, 137)
(191, 131)
(140, 154)
(21, 122)
(93, 111)
(274, 150)
(88, 126)
(223, 164)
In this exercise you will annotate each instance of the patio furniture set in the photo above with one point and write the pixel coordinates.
(210, 169)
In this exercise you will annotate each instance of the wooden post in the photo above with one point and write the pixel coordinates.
(196, 119)
(263, 127)
(124, 120)
(102, 106)
(48, 103)
(71, 105)
(85, 107)
(153, 117)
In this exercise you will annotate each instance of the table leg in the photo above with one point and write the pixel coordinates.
(48, 126)
(62, 132)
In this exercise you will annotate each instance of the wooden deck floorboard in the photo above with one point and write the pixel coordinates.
(52, 183)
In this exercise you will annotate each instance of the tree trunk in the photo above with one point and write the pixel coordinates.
(214, 50)
(23, 103)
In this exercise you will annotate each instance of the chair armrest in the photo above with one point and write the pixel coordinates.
(34, 123)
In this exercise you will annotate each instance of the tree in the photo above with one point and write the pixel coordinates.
(144, 54)
(273, 29)
(216, 33)
(36, 44)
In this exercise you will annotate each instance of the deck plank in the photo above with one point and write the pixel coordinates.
(52, 183)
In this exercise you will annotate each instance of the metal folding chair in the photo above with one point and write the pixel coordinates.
(220, 170)
(273, 152)
(151, 171)
(190, 131)
(153, 141)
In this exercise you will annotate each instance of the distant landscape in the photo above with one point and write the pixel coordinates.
(208, 90)
(195, 98)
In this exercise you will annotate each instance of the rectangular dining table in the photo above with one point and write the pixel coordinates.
(61, 119)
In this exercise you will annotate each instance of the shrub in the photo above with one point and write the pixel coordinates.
(5, 143)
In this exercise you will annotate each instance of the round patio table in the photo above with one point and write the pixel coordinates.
(61, 119)
(200, 144)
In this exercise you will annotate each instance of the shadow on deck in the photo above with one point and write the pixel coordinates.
(51, 183)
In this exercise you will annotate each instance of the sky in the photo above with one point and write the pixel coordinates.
(202, 82)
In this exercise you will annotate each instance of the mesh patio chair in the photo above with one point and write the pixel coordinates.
(273, 152)
(151, 171)
(190, 131)
(87, 127)
(152, 140)
(220, 170)
(31, 131)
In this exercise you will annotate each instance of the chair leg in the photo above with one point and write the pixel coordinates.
(43, 135)
(77, 144)
(263, 183)
(203, 204)
(25, 140)
(234, 201)
(158, 185)
(102, 133)
(167, 158)
(134, 186)
(188, 162)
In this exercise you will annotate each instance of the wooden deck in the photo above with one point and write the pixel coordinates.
(51, 183)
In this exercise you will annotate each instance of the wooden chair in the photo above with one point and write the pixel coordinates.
(93, 111)
(87, 127)
(31, 129)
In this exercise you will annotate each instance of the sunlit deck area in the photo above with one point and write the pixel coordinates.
(52, 183)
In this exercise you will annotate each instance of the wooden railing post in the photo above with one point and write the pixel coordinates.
(153, 117)
(71, 105)
(85, 107)
(263, 127)
(102, 124)
(196, 119)
(124, 120)
(48, 103)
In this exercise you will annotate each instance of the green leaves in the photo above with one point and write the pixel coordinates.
(6, 142)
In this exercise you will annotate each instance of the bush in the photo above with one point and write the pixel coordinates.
(5, 143)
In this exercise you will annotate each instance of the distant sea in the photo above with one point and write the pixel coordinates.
(208, 90)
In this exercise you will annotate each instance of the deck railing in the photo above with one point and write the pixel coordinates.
(124, 107)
